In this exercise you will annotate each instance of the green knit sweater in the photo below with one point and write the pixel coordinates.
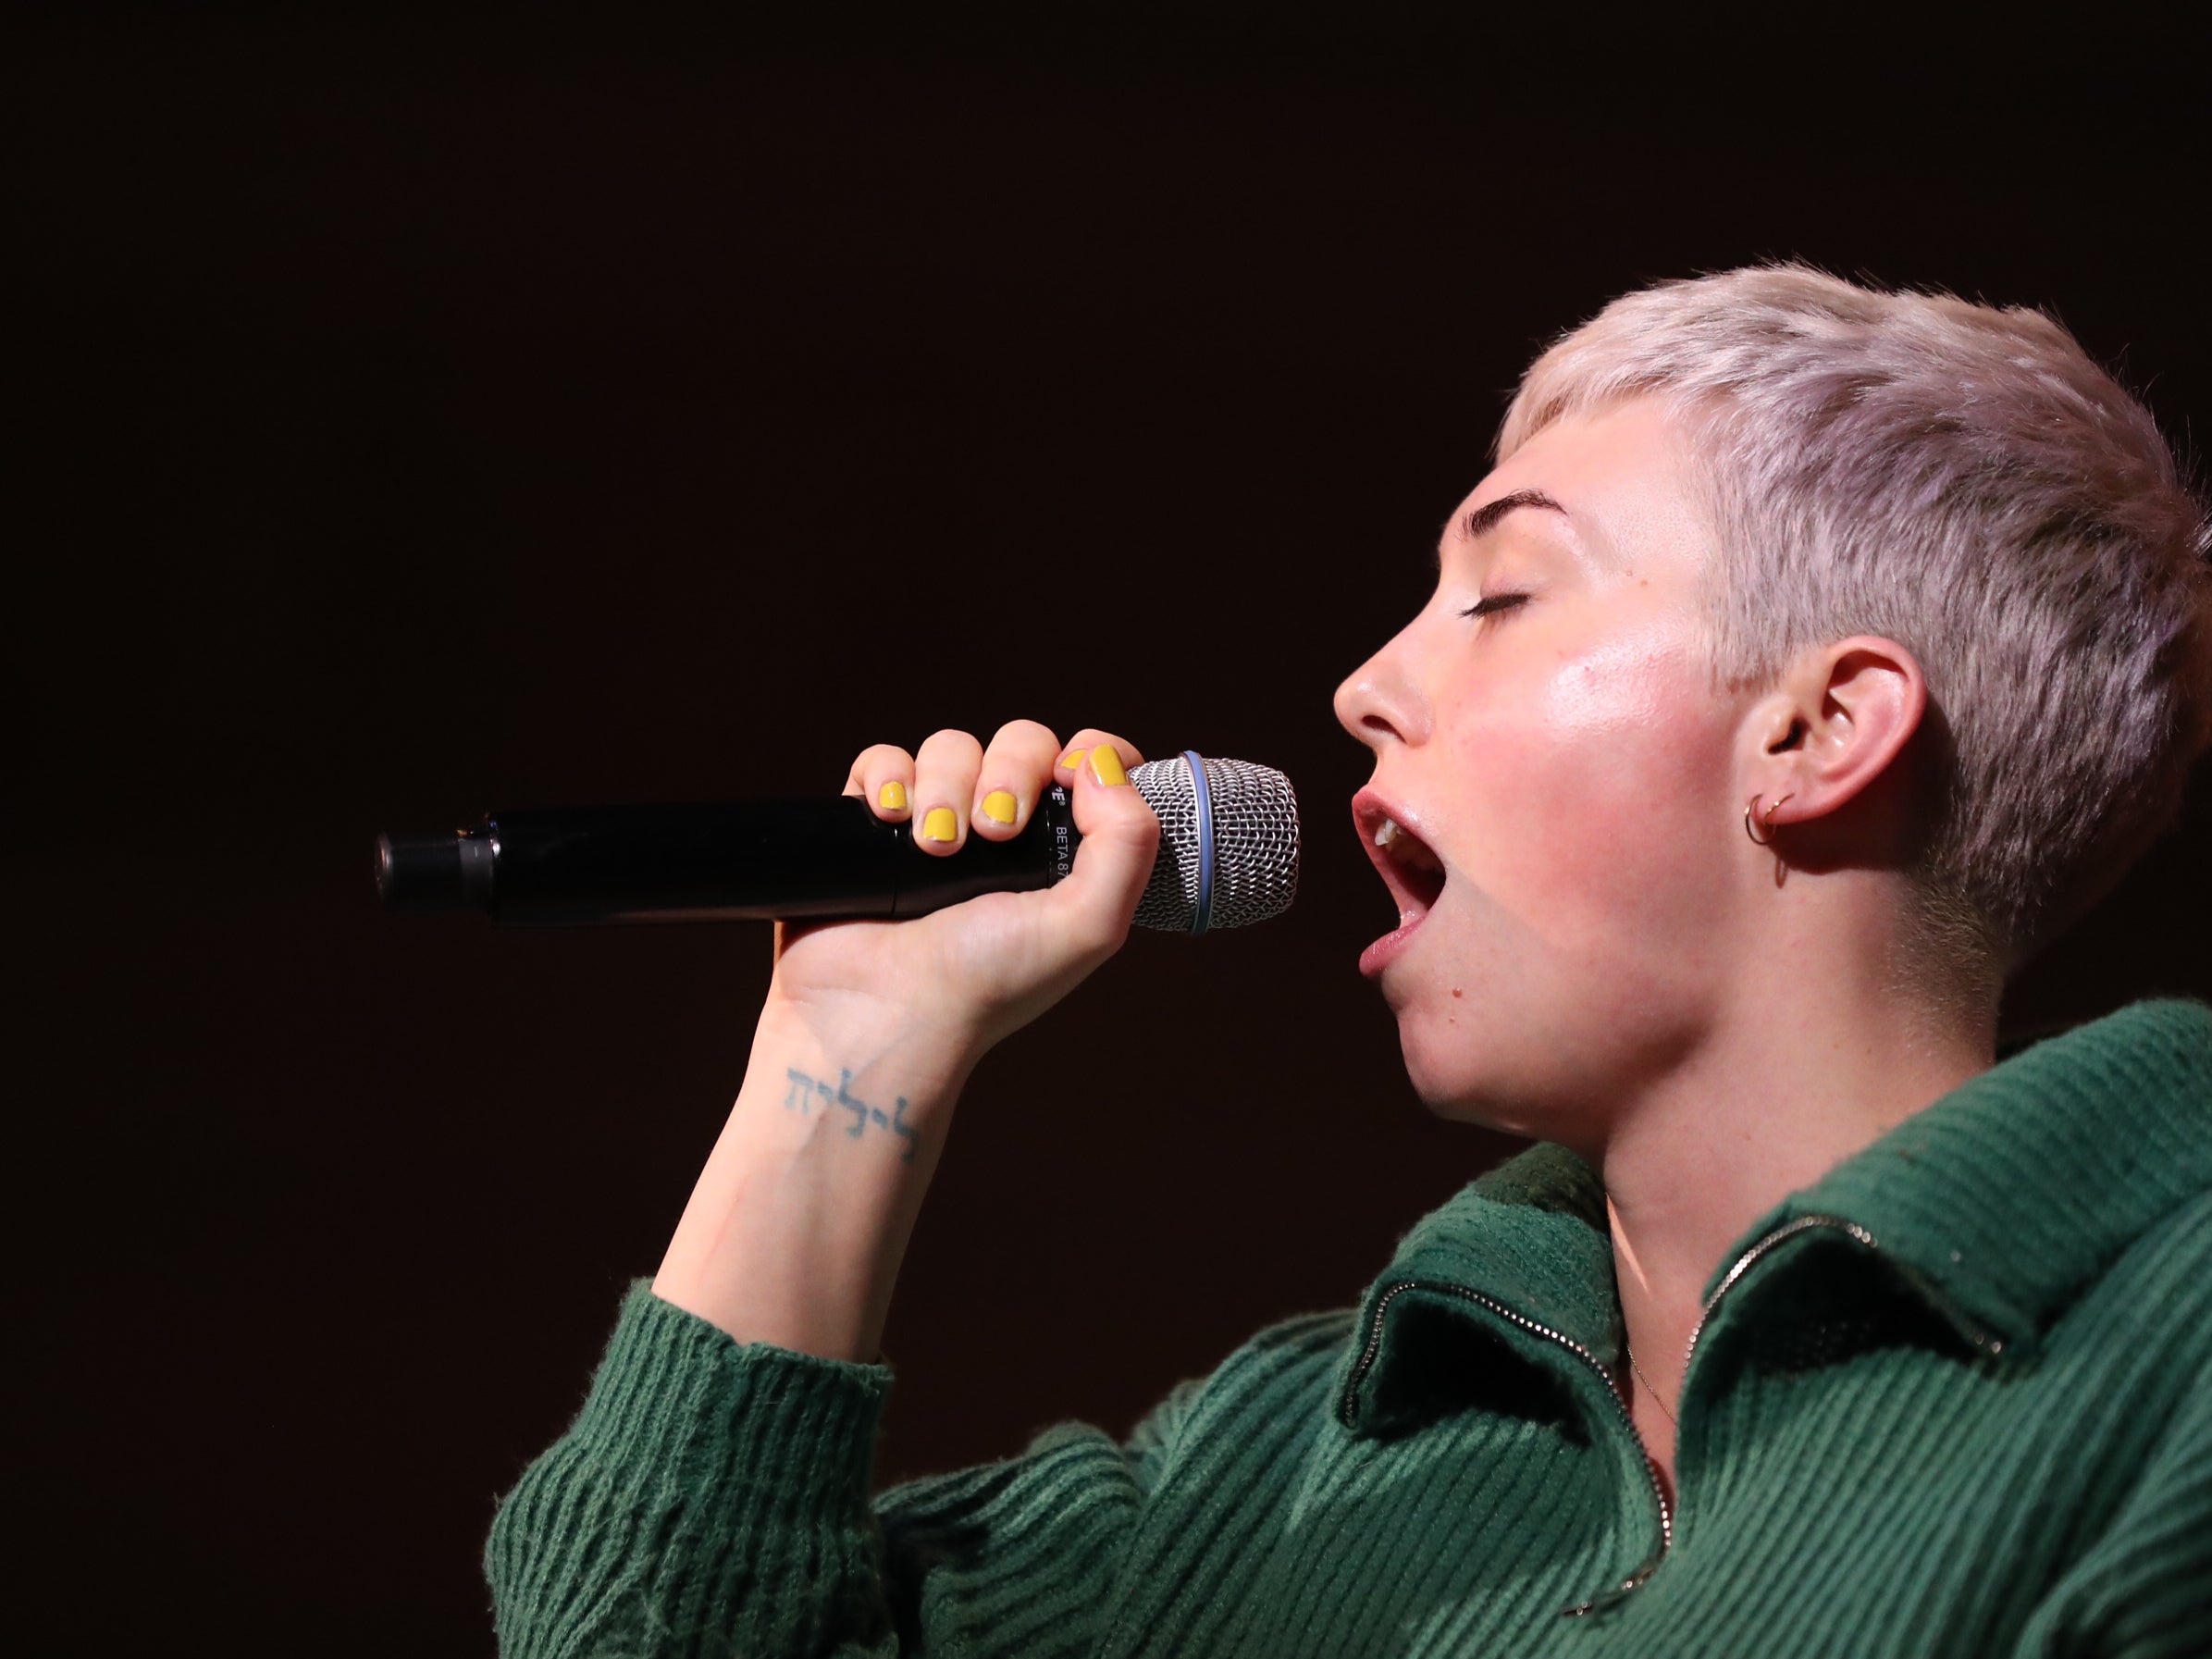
(1956, 1398)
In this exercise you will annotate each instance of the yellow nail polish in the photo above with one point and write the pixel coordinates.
(1000, 807)
(892, 797)
(1073, 758)
(940, 825)
(1106, 765)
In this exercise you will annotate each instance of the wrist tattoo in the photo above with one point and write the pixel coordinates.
(799, 1096)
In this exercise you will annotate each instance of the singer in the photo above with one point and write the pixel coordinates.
(1811, 658)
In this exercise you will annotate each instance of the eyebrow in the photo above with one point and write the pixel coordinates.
(1482, 520)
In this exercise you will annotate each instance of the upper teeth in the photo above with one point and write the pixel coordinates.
(1405, 847)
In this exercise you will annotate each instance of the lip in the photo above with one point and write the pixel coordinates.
(1369, 809)
(1384, 951)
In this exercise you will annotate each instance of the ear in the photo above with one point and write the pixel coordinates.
(1841, 716)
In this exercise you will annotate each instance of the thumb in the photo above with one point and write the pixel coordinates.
(1120, 838)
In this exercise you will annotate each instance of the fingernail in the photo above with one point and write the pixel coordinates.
(1000, 807)
(941, 825)
(1073, 758)
(892, 797)
(1106, 765)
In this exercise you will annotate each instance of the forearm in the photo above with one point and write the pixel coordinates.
(714, 1490)
(794, 1231)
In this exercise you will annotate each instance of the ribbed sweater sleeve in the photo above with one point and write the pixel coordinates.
(712, 1498)
(1023, 1556)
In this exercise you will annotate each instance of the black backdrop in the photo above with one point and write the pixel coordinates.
(421, 415)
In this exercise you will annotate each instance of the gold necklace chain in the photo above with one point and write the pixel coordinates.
(1638, 1370)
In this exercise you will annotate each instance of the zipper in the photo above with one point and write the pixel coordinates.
(1966, 1327)
(1742, 1265)
(1659, 1495)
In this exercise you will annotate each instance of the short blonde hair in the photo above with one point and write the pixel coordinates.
(1966, 481)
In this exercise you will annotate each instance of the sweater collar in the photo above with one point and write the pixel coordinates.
(2013, 1191)
(1998, 1204)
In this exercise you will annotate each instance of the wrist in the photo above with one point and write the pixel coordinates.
(930, 1056)
(794, 1230)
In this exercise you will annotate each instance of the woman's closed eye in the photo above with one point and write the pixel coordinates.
(1492, 602)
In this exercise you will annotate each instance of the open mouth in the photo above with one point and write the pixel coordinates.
(1413, 872)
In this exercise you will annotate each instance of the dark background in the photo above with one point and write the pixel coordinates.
(418, 416)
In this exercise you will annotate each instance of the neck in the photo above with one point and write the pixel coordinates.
(1767, 1108)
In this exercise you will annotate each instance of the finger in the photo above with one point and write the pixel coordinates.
(1015, 770)
(884, 777)
(1078, 747)
(1120, 838)
(945, 773)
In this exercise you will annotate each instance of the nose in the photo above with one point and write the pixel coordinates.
(1380, 701)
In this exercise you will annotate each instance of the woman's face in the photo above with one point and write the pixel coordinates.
(1565, 762)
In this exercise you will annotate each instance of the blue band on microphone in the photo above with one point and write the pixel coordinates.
(1205, 843)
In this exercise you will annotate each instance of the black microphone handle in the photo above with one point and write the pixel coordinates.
(711, 861)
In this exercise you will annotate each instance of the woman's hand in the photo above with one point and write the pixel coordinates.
(796, 1226)
(972, 973)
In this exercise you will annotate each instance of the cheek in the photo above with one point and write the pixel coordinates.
(1594, 883)
(1594, 799)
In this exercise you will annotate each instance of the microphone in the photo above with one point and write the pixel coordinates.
(1228, 857)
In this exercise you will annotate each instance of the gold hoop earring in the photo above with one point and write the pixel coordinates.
(1766, 818)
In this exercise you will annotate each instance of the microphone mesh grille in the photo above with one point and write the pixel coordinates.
(1255, 843)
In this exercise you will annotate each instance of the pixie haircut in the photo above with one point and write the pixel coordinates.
(1965, 481)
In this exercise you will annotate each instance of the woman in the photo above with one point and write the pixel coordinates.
(1810, 659)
